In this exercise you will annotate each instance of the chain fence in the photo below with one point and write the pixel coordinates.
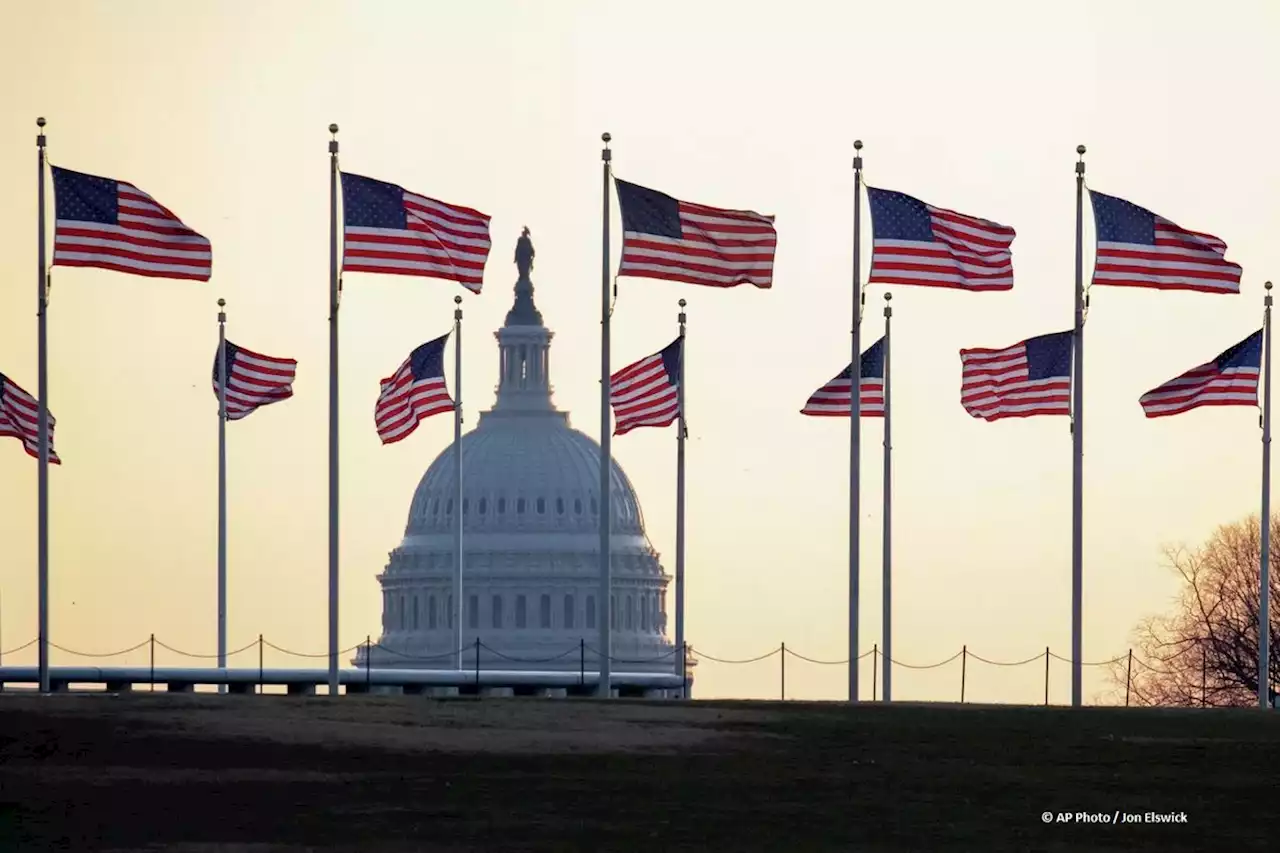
(482, 654)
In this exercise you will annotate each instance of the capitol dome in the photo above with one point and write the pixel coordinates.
(530, 537)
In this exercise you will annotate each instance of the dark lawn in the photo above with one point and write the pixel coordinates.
(233, 773)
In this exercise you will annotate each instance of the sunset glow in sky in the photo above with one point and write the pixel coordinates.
(220, 112)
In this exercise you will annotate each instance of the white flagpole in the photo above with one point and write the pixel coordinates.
(222, 489)
(680, 437)
(888, 516)
(334, 298)
(855, 423)
(604, 610)
(1077, 449)
(457, 475)
(42, 423)
(1264, 587)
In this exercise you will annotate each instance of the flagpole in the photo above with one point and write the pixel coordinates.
(1077, 448)
(680, 437)
(42, 421)
(457, 476)
(222, 489)
(855, 422)
(335, 289)
(888, 516)
(1264, 589)
(604, 611)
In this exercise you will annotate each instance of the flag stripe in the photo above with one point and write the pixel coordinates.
(145, 239)
(995, 384)
(254, 380)
(1137, 248)
(437, 240)
(20, 419)
(710, 246)
(833, 399)
(915, 243)
(403, 401)
(645, 394)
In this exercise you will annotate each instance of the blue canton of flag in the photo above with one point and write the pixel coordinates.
(1231, 379)
(834, 398)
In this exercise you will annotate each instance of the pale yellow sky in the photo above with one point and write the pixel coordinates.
(219, 111)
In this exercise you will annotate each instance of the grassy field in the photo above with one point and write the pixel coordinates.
(204, 773)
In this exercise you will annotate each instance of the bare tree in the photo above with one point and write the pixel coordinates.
(1205, 651)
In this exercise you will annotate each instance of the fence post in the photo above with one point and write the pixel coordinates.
(1128, 679)
(1203, 676)
(153, 663)
(582, 662)
(368, 661)
(684, 670)
(259, 664)
(784, 671)
(477, 666)
(875, 664)
(1046, 675)
(964, 666)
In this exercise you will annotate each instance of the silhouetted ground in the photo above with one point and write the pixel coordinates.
(241, 773)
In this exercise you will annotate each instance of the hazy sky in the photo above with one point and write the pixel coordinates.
(220, 110)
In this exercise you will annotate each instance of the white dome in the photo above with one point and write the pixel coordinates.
(522, 475)
(530, 544)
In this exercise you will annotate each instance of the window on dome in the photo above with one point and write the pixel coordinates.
(520, 505)
(473, 612)
(631, 613)
(431, 613)
(521, 616)
(542, 506)
(595, 509)
(497, 611)
(484, 506)
(415, 613)
(577, 506)
(448, 508)
(502, 506)
(568, 610)
(400, 621)
(644, 613)
(545, 615)
(466, 505)
(559, 506)
(435, 507)
(591, 612)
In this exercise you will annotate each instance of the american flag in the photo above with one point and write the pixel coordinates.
(388, 229)
(416, 391)
(1032, 377)
(19, 418)
(1137, 248)
(646, 394)
(917, 243)
(692, 243)
(1231, 379)
(833, 399)
(111, 224)
(254, 380)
